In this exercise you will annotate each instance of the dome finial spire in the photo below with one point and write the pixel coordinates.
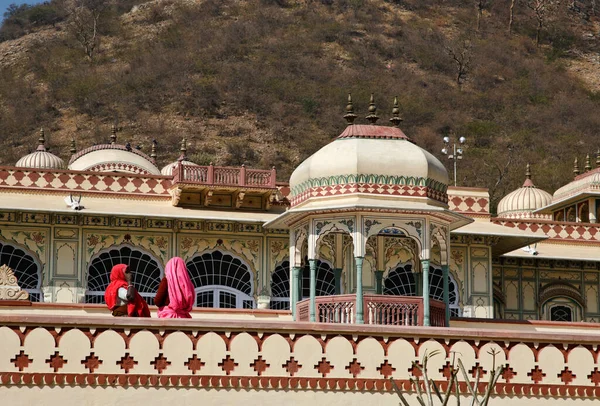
(153, 154)
(528, 182)
(113, 135)
(73, 149)
(372, 116)
(350, 116)
(598, 158)
(183, 149)
(41, 141)
(396, 119)
(588, 165)
(576, 167)
(528, 171)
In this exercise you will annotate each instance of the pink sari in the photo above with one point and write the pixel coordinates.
(181, 291)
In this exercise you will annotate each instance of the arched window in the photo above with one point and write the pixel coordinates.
(561, 313)
(325, 280)
(280, 287)
(560, 301)
(559, 215)
(584, 213)
(221, 281)
(571, 214)
(401, 281)
(146, 272)
(26, 269)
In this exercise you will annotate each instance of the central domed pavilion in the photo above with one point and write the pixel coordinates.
(371, 183)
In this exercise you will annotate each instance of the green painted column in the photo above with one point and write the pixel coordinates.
(359, 291)
(294, 299)
(337, 274)
(379, 282)
(425, 267)
(446, 293)
(313, 289)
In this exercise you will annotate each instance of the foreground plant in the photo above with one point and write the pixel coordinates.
(427, 388)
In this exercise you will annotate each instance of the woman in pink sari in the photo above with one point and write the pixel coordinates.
(175, 300)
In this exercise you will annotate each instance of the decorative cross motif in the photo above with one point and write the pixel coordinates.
(566, 376)
(21, 361)
(292, 366)
(260, 365)
(228, 364)
(92, 362)
(536, 374)
(594, 376)
(324, 367)
(160, 363)
(415, 371)
(56, 361)
(446, 370)
(127, 362)
(194, 364)
(354, 368)
(476, 368)
(508, 373)
(386, 369)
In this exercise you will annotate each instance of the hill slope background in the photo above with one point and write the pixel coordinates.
(265, 82)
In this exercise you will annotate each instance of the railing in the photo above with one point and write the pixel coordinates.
(378, 309)
(224, 175)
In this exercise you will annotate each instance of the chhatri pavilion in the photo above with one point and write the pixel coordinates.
(317, 290)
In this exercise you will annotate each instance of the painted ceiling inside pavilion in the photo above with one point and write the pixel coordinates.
(367, 218)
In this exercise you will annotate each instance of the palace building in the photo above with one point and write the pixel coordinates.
(317, 289)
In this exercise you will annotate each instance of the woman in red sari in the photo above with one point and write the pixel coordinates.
(175, 296)
(121, 296)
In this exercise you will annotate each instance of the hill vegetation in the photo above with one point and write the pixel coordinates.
(264, 82)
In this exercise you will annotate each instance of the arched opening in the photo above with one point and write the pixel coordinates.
(325, 279)
(401, 281)
(147, 272)
(221, 280)
(571, 215)
(560, 301)
(27, 270)
(559, 215)
(280, 287)
(584, 213)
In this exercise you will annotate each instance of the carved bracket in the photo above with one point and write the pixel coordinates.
(9, 288)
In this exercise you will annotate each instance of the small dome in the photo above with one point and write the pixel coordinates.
(589, 181)
(372, 160)
(521, 203)
(113, 158)
(168, 169)
(41, 158)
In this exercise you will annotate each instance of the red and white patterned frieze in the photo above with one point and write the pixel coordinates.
(555, 230)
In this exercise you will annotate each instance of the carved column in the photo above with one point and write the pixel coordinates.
(359, 291)
(337, 275)
(313, 289)
(296, 271)
(379, 282)
(446, 293)
(425, 267)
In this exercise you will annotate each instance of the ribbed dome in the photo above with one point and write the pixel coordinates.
(522, 202)
(168, 169)
(373, 160)
(41, 158)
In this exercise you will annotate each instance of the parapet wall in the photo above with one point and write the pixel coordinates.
(224, 357)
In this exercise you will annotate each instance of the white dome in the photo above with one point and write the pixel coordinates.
(168, 169)
(41, 158)
(521, 203)
(370, 159)
(113, 158)
(586, 182)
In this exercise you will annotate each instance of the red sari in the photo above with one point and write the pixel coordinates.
(136, 308)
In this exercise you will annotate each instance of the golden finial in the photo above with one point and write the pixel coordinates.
(372, 117)
(41, 141)
(396, 119)
(183, 147)
(528, 171)
(576, 167)
(588, 165)
(113, 135)
(153, 154)
(598, 157)
(350, 116)
(73, 148)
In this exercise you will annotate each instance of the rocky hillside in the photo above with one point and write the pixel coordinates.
(264, 82)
